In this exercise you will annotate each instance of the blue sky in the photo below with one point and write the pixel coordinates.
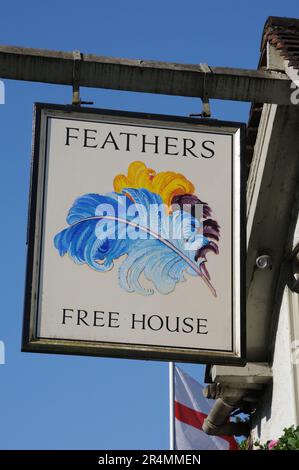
(65, 402)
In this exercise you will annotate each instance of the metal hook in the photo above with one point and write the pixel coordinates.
(206, 109)
(76, 78)
(76, 100)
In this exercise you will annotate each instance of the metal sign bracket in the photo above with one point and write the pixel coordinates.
(206, 109)
(76, 100)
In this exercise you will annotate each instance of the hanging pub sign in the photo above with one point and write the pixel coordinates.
(136, 236)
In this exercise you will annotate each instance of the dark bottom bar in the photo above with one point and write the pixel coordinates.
(131, 459)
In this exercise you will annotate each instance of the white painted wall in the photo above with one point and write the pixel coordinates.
(279, 407)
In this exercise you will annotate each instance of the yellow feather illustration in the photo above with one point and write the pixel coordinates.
(166, 184)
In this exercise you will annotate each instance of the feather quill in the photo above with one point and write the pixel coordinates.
(98, 238)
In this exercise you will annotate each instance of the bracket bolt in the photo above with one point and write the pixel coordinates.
(263, 261)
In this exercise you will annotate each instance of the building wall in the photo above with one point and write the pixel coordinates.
(279, 407)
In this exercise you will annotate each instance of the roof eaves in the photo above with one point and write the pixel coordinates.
(283, 34)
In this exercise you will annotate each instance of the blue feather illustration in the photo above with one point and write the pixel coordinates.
(103, 228)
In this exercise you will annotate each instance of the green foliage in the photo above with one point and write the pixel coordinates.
(288, 441)
(243, 445)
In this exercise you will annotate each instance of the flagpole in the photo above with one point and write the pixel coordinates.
(171, 405)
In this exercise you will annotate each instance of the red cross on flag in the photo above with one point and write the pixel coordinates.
(188, 412)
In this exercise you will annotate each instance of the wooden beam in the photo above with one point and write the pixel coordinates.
(40, 65)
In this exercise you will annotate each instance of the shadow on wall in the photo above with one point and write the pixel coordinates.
(264, 410)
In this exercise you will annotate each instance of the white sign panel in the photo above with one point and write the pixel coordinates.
(135, 237)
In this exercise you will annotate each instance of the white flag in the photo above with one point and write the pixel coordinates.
(190, 410)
